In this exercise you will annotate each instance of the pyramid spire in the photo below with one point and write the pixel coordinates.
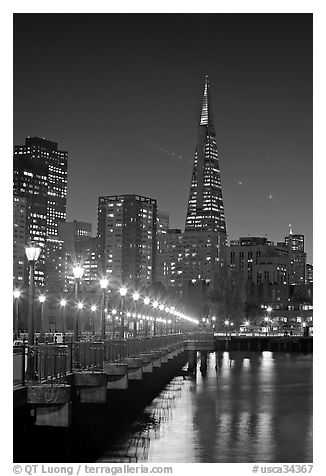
(205, 109)
(205, 206)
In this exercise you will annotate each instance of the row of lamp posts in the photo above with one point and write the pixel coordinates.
(32, 253)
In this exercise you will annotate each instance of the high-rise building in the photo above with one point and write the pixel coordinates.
(297, 256)
(127, 239)
(71, 231)
(19, 241)
(205, 206)
(162, 227)
(79, 248)
(205, 230)
(309, 273)
(191, 259)
(40, 177)
(172, 258)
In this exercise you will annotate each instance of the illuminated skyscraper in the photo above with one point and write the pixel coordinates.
(127, 239)
(205, 206)
(40, 177)
(19, 241)
(295, 245)
(191, 260)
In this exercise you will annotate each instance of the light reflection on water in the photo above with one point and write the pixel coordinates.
(247, 407)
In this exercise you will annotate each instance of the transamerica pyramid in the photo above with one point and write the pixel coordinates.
(205, 206)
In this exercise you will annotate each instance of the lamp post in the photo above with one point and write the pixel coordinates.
(93, 309)
(123, 291)
(16, 325)
(247, 324)
(63, 303)
(104, 284)
(80, 306)
(135, 297)
(269, 311)
(164, 324)
(114, 313)
(155, 306)
(32, 254)
(213, 322)
(78, 273)
(41, 298)
(146, 302)
(226, 322)
(161, 308)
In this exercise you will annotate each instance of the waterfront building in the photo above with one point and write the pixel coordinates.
(259, 260)
(128, 239)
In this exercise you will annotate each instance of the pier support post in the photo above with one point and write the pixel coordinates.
(192, 360)
(90, 387)
(135, 368)
(116, 374)
(203, 360)
(50, 405)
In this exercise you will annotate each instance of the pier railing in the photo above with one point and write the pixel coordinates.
(46, 363)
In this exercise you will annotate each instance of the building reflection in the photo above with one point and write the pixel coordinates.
(246, 407)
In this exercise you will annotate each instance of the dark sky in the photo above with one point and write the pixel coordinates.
(122, 92)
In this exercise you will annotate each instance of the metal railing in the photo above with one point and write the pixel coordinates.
(44, 363)
(88, 355)
(19, 364)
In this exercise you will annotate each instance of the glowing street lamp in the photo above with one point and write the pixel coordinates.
(16, 297)
(123, 292)
(104, 282)
(63, 304)
(135, 296)
(78, 271)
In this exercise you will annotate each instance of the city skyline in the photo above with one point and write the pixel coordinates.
(77, 99)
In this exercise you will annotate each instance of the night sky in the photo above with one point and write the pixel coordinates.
(122, 94)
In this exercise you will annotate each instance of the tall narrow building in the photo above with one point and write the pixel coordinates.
(127, 239)
(40, 177)
(205, 206)
(191, 260)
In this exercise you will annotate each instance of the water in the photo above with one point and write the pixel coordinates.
(248, 407)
